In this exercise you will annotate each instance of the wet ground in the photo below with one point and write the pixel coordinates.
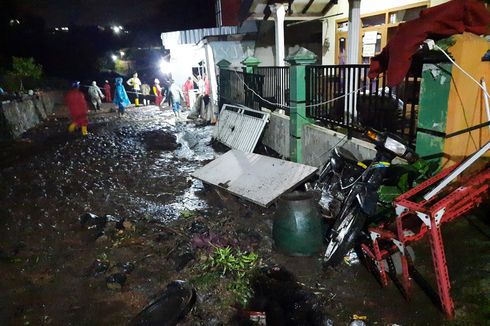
(53, 270)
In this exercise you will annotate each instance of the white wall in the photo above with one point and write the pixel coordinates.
(183, 58)
(367, 6)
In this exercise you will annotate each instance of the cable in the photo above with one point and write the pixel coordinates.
(289, 107)
(462, 70)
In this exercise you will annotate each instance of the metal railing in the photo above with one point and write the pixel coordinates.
(275, 89)
(332, 99)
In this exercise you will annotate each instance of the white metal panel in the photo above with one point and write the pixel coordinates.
(239, 127)
(257, 178)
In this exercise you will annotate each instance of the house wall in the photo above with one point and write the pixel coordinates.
(367, 6)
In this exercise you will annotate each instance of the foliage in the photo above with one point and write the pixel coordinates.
(24, 68)
(186, 213)
(236, 266)
(413, 175)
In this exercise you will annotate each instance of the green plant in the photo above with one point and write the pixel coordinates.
(413, 175)
(25, 68)
(237, 267)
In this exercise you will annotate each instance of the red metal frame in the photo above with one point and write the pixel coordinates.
(416, 219)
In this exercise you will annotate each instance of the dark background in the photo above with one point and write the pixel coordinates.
(77, 54)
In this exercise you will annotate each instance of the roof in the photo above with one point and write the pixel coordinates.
(194, 36)
(296, 9)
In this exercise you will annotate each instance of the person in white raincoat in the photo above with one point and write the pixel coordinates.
(96, 95)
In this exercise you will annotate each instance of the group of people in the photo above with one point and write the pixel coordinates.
(78, 108)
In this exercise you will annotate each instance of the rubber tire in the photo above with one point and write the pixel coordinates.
(350, 237)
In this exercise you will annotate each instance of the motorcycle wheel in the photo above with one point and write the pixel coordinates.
(343, 234)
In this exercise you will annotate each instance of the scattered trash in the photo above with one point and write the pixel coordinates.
(351, 258)
(116, 281)
(359, 317)
(171, 306)
(258, 317)
(357, 323)
(92, 221)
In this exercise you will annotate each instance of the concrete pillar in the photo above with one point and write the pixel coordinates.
(354, 31)
(325, 42)
(211, 71)
(297, 82)
(279, 13)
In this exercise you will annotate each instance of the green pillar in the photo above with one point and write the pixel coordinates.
(223, 64)
(224, 78)
(433, 106)
(297, 99)
(250, 64)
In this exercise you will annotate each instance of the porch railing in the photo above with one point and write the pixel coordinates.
(343, 96)
(275, 89)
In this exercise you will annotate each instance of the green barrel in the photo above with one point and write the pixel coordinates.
(298, 228)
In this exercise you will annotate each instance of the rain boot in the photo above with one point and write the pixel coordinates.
(137, 102)
(72, 127)
(84, 130)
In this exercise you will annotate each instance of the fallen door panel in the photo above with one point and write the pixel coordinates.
(257, 178)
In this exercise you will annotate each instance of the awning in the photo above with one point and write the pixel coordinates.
(194, 36)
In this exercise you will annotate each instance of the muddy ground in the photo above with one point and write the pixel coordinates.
(137, 168)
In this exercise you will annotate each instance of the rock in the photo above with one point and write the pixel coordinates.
(198, 227)
(129, 226)
(126, 225)
(99, 267)
(92, 221)
(116, 281)
(182, 260)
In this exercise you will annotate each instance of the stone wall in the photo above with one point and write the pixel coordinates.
(18, 116)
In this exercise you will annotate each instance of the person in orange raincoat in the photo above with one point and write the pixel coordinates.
(77, 105)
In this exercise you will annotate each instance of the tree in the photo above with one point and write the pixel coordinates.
(25, 68)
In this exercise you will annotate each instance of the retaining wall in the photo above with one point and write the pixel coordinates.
(316, 141)
(18, 116)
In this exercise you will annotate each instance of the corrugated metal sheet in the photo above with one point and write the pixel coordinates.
(194, 36)
(257, 178)
(240, 127)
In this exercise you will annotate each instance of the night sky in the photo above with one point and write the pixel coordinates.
(166, 15)
(144, 20)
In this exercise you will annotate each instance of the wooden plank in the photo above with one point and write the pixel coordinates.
(256, 178)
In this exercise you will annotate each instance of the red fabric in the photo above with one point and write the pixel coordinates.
(107, 93)
(454, 17)
(77, 106)
(188, 85)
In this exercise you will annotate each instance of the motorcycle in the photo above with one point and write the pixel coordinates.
(349, 190)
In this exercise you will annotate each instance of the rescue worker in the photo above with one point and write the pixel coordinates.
(96, 95)
(145, 90)
(120, 96)
(135, 84)
(75, 100)
(107, 92)
(157, 91)
(176, 95)
(188, 86)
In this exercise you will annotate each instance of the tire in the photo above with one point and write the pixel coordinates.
(343, 234)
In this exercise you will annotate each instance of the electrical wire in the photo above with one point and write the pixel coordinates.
(462, 70)
(307, 106)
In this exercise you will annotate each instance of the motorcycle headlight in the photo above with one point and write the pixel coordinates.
(395, 146)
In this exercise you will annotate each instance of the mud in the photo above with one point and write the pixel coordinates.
(55, 270)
